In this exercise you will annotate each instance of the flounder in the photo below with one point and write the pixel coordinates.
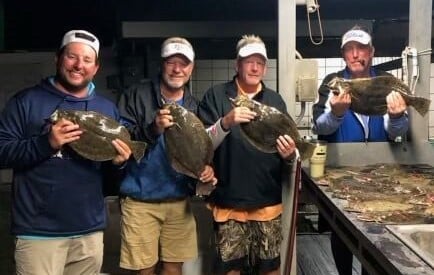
(377, 206)
(368, 95)
(98, 133)
(188, 145)
(396, 217)
(269, 123)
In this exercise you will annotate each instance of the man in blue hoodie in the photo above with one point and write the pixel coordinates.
(58, 211)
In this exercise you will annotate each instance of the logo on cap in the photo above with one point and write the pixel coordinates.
(177, 48)
(253, 48)
(359, 36)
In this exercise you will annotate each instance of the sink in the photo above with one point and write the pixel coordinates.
(418, 237)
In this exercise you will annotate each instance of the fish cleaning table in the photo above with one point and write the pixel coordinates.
(379, 251)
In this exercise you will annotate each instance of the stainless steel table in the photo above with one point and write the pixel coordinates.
(379, 251)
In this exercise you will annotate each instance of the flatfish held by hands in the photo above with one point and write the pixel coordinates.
(98, 133)
(269, 123)
(368, 95)
(188, 145)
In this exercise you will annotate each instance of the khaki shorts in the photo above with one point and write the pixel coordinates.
(257, 242)
(153, 231)
(68, 256)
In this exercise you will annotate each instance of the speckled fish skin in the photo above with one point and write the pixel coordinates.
(98, 133)
(188, 145)
(368, 95)
(269, 123)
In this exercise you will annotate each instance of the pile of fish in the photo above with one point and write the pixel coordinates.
(385, 193)
(269, 123)
(368, 95)
(188, 145)
(98, 133)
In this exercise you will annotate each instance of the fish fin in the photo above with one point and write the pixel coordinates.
(306, 149)
(138, 149)
(421, 105)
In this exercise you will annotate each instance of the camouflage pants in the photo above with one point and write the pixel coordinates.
(257, 240)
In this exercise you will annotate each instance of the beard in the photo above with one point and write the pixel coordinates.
(173, 84)
(71, 87)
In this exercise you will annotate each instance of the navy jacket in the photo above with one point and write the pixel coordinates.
(54, 193)
(248, 178)
(152, 179)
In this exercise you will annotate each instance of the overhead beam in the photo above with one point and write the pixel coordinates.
(225, 29)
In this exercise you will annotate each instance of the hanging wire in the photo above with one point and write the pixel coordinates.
(314, 7)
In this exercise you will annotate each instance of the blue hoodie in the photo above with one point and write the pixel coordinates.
(54, 194)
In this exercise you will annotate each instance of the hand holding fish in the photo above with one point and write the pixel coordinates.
(340, 102)
(163, 120)
(62, 132)
(124, 152)
(236, 116)
(207, 176)
(396, 105)
(285, 147)
(207, 182)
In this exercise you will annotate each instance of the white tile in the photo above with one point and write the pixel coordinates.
(220, 63)
(335, 62)
(309, 109)
(231, 73)
(321, 62)
(220, 74)
(215, 82)
(431, 118)
(203, 63)
(271, 84)
(332, 69)
(321, 74)
(271, 74)
(272, 63)
(204, 74)
(431, 132)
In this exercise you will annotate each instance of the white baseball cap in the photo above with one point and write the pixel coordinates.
(253, 48)
(356, 35)
(178, 48)
(81, 36)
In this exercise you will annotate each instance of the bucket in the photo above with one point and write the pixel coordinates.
(318, 159)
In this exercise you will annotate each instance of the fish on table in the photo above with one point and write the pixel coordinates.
(99, 131)
(385, 193)
(188, 145)
(269, 123)
(368, 95)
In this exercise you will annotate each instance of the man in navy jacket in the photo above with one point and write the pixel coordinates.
(58, 212)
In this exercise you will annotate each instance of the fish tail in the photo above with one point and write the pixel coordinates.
(138, 149)
(421, 105)
(306, 149)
